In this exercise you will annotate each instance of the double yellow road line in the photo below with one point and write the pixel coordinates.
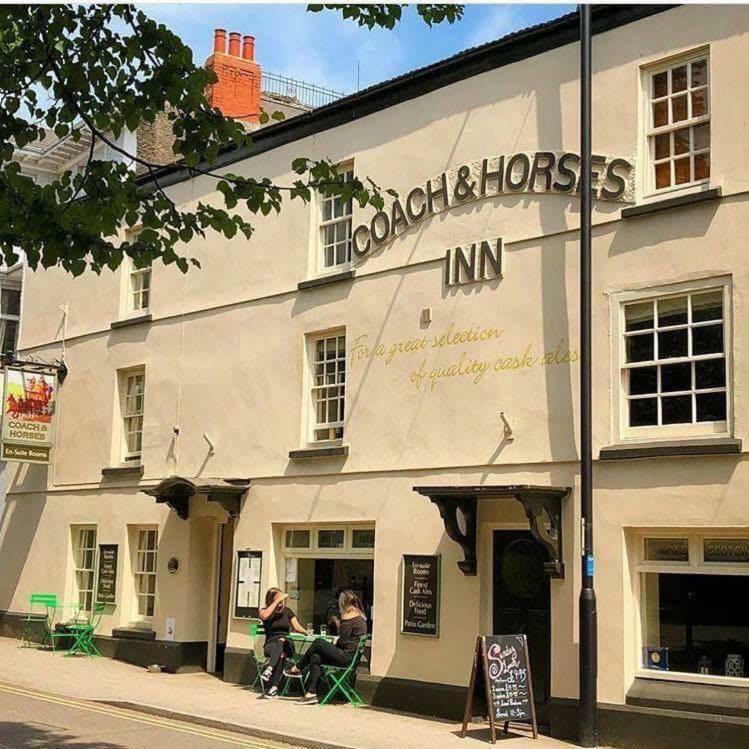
(143, 718)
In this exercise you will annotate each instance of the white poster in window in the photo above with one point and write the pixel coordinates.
(247, 594)
(169, 628)
(291, 569)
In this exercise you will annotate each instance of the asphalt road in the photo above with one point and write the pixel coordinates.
(37, 720)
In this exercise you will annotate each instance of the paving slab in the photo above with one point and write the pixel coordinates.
(205, 699)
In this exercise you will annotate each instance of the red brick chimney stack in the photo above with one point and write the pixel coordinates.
(237, 91)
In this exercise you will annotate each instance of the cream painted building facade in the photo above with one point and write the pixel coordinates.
(288, 397)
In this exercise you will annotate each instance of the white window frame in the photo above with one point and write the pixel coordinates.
(695, 565)
(622, 431)
(7, 317)
(130, 417)
(313, 388)
(138, 285)
(347, 170)
(76, 534)
(649, 131)
(141, 571)
(314, 550)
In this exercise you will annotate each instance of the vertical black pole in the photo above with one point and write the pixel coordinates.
(588, 628)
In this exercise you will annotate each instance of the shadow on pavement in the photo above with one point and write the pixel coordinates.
(20, 735)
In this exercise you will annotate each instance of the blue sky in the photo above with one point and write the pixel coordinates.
(324, 49)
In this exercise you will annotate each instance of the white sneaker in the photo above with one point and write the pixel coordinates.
(265, 676)
(309, 699)
(271, 693)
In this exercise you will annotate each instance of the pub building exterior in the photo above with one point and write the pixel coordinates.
(388, 400)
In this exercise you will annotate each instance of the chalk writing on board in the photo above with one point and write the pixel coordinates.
(508, 677)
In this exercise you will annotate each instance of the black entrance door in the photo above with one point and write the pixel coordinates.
(522, 605)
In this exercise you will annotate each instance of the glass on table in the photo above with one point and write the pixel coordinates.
(310, 628)
(323, 630)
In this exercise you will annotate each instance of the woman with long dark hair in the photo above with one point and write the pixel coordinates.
(278, 620)
(352, 627)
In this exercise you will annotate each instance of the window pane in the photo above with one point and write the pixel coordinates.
(681, 141)
(672, 311)
(701, 135)
(667, 549)
(707, 306)
(699, 73)
(676, 377)
(679, 108)
(640, 348)
(639, 316)
(663, 175)
(660, 113)
(660, 84)
(682, 171)
(662, 146)
(676, 409)
(707, 339)
(726, 550)
(643, 380)
(710, 374)
(643, 412)
(363, 539)
(711, 406)
(10, 302)
(330, 539)
(702, 166)
(298, 539)
(699, 102)
(672, 343)
(679, 79)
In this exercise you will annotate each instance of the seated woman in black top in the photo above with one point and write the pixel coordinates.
(352, 627)
(278, 620)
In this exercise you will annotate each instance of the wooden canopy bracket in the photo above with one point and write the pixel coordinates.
(176, 491)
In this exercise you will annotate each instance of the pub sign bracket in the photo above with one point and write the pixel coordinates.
(458, 505)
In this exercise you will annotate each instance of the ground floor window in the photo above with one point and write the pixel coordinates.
(84, 560)
(145, 573)
(692, 613)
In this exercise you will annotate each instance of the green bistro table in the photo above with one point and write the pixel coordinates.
(302, 643)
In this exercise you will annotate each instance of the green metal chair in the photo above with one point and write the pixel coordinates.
(83, 632)
(255, 630)
(41, 612)
(343, 678)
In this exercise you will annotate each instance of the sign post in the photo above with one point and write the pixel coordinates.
(420, 613)
(501, 683)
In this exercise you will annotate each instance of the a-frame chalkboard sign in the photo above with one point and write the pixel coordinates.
(501, 686)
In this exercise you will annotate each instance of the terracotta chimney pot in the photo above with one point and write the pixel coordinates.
(234, 43)
(248, 47)
(219, 41)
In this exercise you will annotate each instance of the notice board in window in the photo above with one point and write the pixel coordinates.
(106, 584)
(247, 591)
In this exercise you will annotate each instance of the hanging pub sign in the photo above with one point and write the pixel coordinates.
(28, 415)
(106, 582)
(501, 686)
(421, 595)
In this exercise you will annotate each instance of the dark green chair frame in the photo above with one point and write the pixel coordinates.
(343, 678)
(34, 617)
(82, 633)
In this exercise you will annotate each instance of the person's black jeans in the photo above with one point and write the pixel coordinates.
(321, 651)
(276, 651)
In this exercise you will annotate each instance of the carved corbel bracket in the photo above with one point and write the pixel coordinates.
(544, 513)
(459, 516)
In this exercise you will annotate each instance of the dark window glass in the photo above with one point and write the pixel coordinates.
(643, 412)
(9, 333)
(660, 84)
(707, 306)
(640, 348)
(643, 380)
(672, 311)
(707, 340)
(10, 302)
(672, 343)
(676, 409)
(710, 374)
(678, 79)
(699, 73)
(330, 539)
(711, 407)
(363, 539)
(676, 377)
(639, 316)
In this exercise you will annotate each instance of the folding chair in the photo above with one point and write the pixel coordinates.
(343, 678)
(83, 633)
(41, 612)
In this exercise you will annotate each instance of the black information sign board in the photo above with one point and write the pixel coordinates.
(421, 595)
(106, 586)
(501, 683)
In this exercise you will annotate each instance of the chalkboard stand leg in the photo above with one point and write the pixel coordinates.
(534, 723)
(468, 712)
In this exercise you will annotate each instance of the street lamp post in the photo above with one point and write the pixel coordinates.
(588, 624)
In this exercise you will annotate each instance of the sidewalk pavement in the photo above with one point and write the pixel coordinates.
(204, 698)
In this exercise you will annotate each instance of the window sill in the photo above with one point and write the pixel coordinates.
(672, 448)
(690, 692)
(676, 201)
(134, 633)
(127, 321)
(126, 470)
(332, 451)
(313, 283)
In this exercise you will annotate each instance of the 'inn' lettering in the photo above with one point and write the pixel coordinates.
(474, 263)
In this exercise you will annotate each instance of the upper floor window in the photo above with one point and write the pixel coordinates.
(328, 387)
(335, 229)
(679, 123)
(674, 363)
(139, 291)
(133, 391)
(10, 315)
